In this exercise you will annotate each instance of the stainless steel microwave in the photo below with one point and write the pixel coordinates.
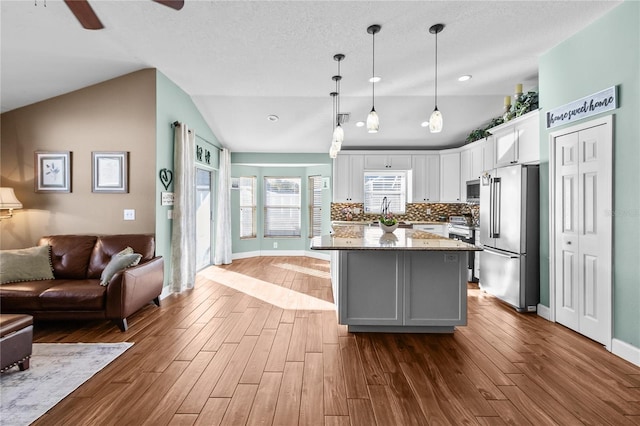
(473, 191)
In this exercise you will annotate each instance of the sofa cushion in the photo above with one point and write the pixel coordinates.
(70, 254)
(23, 296)
(107, 246)
(71, 295)
(120, 261)
(28, 264)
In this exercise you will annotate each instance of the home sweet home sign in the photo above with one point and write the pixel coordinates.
(605, 100)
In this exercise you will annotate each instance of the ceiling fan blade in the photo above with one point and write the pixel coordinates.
(85, 14)
(173, 4)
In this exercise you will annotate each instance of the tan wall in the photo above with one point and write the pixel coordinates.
(116, 115)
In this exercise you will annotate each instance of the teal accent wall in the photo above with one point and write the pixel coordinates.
(173, 104)
(261, 165)
(605, 54)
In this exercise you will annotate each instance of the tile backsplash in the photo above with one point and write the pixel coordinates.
(415, 212)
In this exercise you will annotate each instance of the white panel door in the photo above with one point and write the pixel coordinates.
(584, 231)
(567, 285)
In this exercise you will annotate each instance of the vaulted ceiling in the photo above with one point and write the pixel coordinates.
(241, 61)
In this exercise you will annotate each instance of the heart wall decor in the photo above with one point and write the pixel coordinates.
(166, 177)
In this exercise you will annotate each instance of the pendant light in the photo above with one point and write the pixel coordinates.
(435, 121)
(334, 149)
(373, 122)
(338, 132)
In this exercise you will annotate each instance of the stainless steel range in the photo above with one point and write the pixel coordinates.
(460, 228)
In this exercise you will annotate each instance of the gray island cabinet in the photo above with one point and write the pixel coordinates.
(407, 281)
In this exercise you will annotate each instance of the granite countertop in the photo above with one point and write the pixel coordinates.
(370, 222)
(358, 237)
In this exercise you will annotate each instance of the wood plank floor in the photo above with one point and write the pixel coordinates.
(256, 343)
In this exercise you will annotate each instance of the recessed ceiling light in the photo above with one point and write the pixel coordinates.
(425, 124)
(273, 118)
(360, 124)
(464, 78)
(375, 79)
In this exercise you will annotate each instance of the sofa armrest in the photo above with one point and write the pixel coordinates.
(131, 289)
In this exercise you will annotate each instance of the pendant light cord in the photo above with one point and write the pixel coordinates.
(373, 74)
(338, 96)
(436, 70)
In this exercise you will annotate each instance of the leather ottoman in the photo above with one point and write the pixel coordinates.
(16, 339)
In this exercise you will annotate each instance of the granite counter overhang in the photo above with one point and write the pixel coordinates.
(373, 222)
(372, 238)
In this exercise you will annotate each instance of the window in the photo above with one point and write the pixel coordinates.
(315, 206)
(380, 184)
(248, 207)
(282, 206)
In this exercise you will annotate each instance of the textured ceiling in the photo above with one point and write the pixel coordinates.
(243, 60)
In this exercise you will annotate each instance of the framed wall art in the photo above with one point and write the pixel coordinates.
(52, 171)
(110, 171)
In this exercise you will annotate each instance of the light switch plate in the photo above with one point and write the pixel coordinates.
(129, 214)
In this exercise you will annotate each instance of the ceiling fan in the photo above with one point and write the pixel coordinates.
(90, 21)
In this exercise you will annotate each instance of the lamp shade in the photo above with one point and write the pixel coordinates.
(435, 121)
(8, 199)
(373, 122)
(333, 151)
(338, 134)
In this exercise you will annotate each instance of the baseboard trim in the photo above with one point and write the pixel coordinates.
(544, 312)
(259, 253)
(245, 255)
(270, 253)
(166, 292)
(626, 351)
(318, 255)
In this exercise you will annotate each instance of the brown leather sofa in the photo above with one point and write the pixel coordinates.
(16, 337)
(76, 293)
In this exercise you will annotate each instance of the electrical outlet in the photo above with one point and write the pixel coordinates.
(450, 257)
(428, 211)
(275, 245)
(129, 214)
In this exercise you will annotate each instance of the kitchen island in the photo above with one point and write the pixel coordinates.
(407, 281)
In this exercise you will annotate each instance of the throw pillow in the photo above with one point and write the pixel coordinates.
(119, 261)
(30, 264)
(127, 250)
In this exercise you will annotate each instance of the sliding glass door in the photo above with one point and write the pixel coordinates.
(204, 218)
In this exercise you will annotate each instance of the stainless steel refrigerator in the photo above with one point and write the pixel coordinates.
(510, 235)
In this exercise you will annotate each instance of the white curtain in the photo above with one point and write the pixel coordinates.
(222, 254)
(183, 232)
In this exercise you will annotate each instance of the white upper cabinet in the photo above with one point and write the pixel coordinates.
(348, 178)
(450, 177)
(387, 162)
(476, 160)
(517, 141)
(488, 155)
(465, 171)
(426, 177)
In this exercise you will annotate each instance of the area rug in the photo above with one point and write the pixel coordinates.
(56, 370)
